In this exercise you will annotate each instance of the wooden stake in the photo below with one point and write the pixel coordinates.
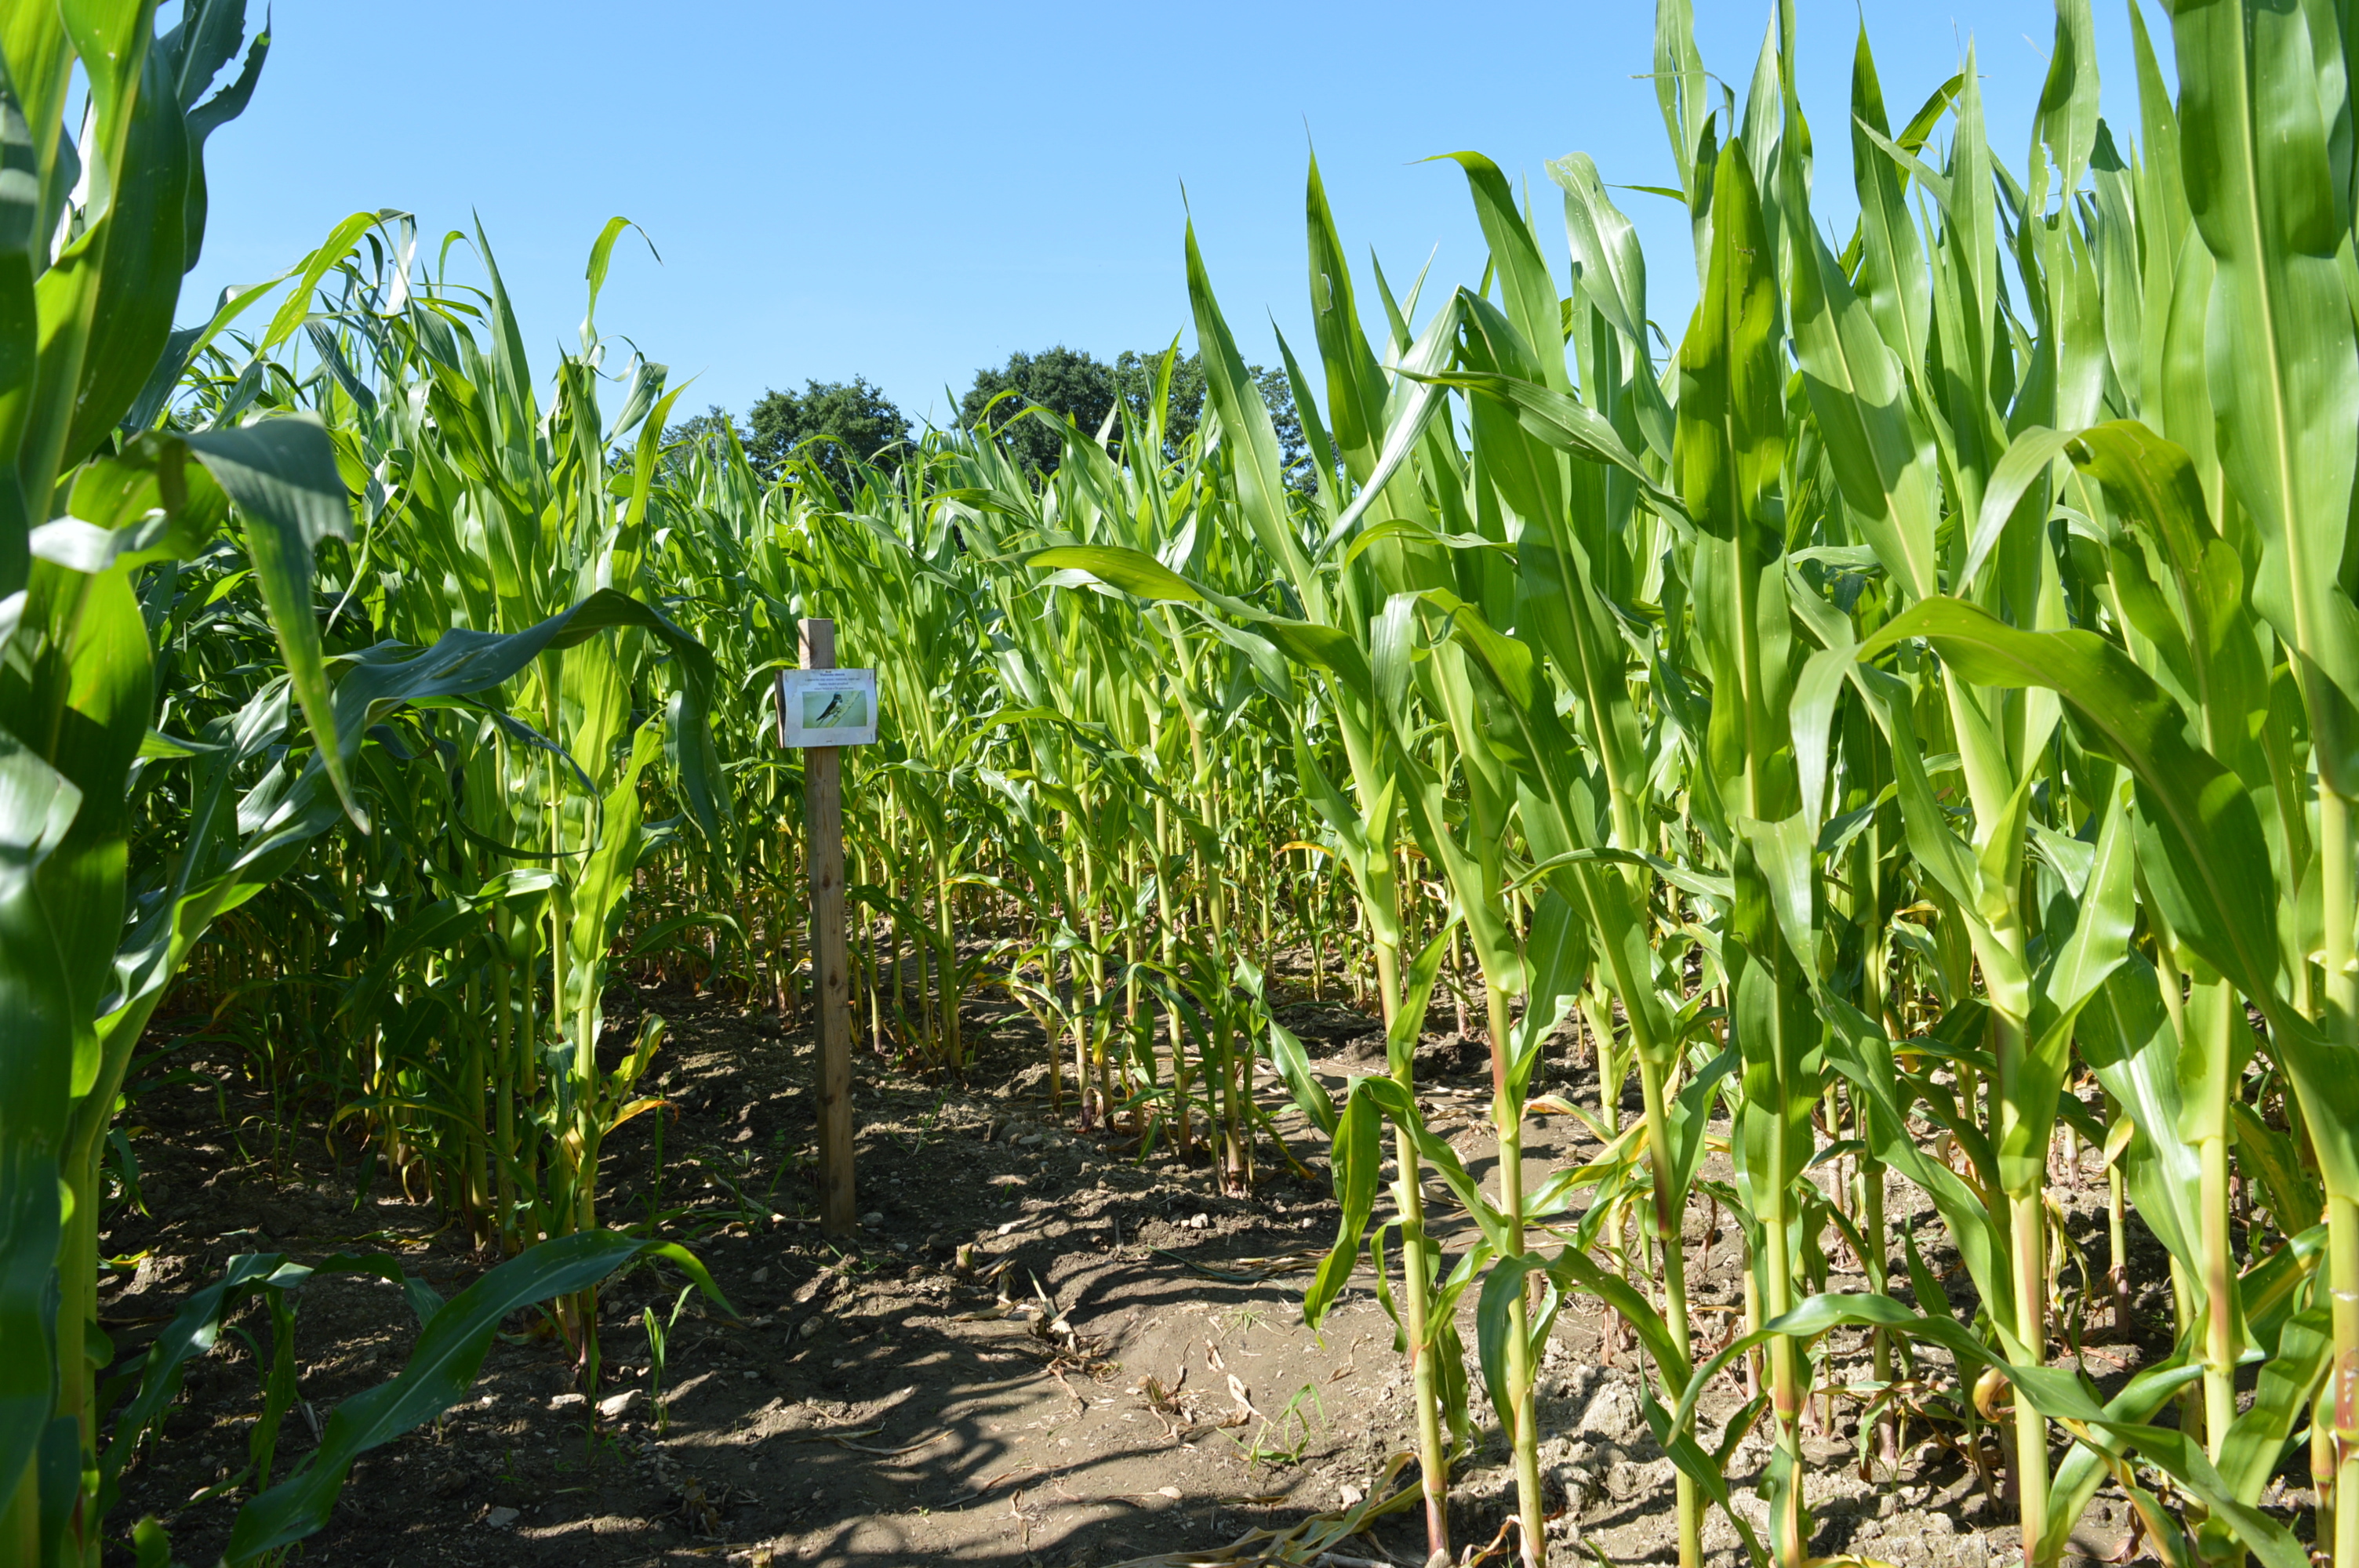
(831, 978)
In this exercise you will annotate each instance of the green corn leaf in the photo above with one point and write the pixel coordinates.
(1355, 1159)
(2283, 355)
(140, 227)
(1525, 286)
(2272, 1290)
(1556, 958)
(1614, 277)
(2291, 1193)
(1691, 1113)
(2256, 1439)
(30, 1226)
(1245, 419)
(1732, 403)
(442, 1368)
(1574, 1270)
(2061, 1396)
(2086, 1469)
(282, 475)
(2096, 946)
(2025, 465)
(1504, 1285)
(2212, 870)
(1708, 1472)
(2126, 1037)
(2065, 125)
(152, 1545)
(1681, 87)
(1133, 571)
(1356, 388)
(1561, 421)
(1700, 884)
(1782, 851)
(1892, 262)
(463, 661)
(1399, 1106)
(1294, 1066)
(196, 1327)
(1417, 995)
(1883, 457)
(1859, 1050)
(1410, 422)
(1611, 1168)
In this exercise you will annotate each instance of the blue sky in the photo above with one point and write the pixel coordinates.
(911, 194)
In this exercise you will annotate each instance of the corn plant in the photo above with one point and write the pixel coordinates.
(1780, 547)
(1903, 721)
(135, 516)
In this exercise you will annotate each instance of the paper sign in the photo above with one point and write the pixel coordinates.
(827, 707)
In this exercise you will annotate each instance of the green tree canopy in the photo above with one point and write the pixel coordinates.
(1082, 388)
(712, 422)
(1074, 383)
(863, 422)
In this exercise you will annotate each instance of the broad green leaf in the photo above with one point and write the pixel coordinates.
(2284, 358)
(463, 661)
(2212, 872)
(2257, 1440)
(1133, 571)
(1504, 1285)
(442, 1368)
(1294, 1066)
(1244, 420)
(281, 473)
(2061, 1396)
(1355, 1159)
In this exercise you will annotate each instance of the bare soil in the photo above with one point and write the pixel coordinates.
(1042, 1349)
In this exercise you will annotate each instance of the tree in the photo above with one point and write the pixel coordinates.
(1082, 388)
(1293, 448)
(1074, 383)
(862, 422)
(714, 421)
(1135, 374)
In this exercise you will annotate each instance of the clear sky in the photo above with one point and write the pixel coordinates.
(910, 192)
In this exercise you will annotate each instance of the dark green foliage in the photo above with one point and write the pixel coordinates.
(1074, 383)
(863, 424)
(1083, 388)
(715, 420)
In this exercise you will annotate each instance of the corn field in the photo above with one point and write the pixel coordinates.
(1907, 719)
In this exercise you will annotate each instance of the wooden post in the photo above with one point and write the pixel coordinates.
(830, 977)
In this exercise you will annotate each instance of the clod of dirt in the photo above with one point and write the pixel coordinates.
(1436, 1055)
(1449, 1055)
(1614, 1415)
(1574, 1471)
(1626, 1481)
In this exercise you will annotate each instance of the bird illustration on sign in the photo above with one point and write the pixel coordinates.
(835, 709)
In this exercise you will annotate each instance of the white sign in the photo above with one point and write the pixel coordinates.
(827, 707)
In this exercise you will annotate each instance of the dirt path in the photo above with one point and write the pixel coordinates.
(1040, 1349)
